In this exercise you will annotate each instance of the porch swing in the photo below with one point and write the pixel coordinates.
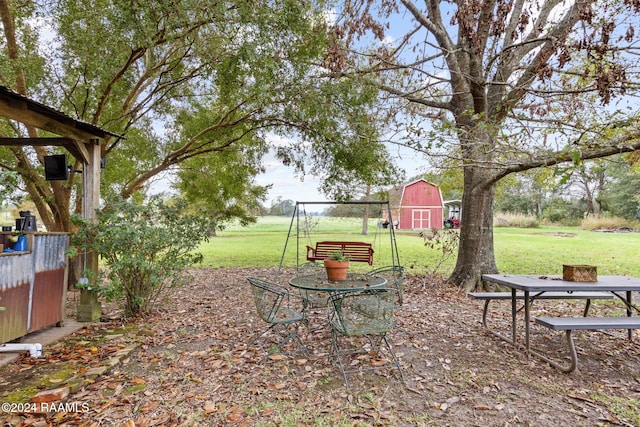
(308, 252)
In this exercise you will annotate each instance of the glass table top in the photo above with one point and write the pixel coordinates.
(353, 282)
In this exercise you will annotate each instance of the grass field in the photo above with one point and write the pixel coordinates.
(519, 251)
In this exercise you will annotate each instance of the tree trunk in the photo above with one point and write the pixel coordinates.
(365, 220)
(76, 267)
(475, 254)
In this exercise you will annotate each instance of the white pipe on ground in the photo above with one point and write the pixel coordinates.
(35, 350)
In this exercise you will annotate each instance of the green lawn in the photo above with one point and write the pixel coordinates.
(537, 251)
(545, 249)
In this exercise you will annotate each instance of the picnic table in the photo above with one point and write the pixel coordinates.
(526, 287)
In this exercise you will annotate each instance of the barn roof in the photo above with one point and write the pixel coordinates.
(417, 181)
(396, 193)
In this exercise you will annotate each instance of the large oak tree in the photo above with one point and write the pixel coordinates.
(497, 87)
(179, 81)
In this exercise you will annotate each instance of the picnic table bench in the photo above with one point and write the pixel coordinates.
(356, 251)
(569, 324)
(487, 297)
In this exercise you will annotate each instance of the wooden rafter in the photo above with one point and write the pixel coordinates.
(77, 149)
(75, 135)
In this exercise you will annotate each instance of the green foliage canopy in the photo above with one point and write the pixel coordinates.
(182, 80)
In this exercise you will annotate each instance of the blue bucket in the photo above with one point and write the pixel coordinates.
(21, 244)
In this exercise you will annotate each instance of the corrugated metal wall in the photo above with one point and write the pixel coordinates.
(33, 286)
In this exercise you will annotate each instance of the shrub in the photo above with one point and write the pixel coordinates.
(566, 212)
(146, 249)
(515, 220)
(445, 242)
(598, 222)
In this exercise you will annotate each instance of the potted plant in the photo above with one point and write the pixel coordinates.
(336, 264)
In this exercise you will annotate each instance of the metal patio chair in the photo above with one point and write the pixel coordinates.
(395, 279)
(369, 316)
(274, 305)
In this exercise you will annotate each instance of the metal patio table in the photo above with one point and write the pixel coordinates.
(316, 286)
(354, 282)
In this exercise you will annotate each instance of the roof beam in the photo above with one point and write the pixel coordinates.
(77, 148)
(19, 111)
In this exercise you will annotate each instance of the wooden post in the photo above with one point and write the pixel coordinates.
(89, 308)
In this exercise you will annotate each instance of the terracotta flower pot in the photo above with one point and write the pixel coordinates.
(336, 270)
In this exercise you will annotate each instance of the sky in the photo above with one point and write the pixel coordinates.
(288, 186)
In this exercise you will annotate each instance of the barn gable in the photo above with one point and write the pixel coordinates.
(418, 205)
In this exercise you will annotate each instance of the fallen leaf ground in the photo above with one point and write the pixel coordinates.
(188, 364)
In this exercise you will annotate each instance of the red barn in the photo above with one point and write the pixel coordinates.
(417, 205)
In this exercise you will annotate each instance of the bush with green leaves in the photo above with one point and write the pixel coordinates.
(145, 247)
(505, 219)
(566, 212)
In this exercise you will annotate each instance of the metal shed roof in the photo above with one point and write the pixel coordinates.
(23, 106)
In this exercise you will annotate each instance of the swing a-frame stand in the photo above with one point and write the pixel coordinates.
(357, 251)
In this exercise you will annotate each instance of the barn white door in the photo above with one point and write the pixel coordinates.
(421, 219)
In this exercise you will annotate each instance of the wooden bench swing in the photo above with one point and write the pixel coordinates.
(355, 251)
